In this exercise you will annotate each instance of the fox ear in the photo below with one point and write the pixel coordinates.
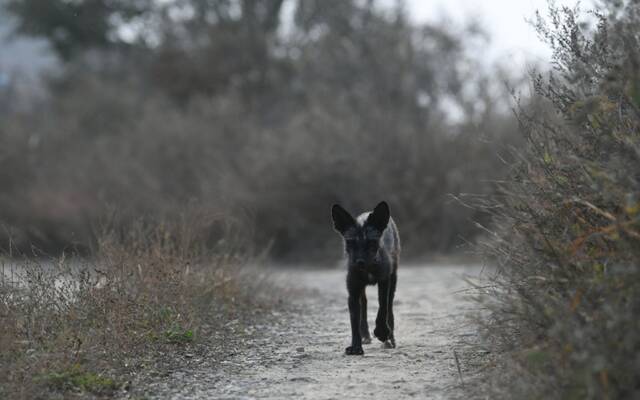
(342, 220)
(379, 218)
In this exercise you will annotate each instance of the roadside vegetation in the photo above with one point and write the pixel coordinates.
(257, 113)
(152, 296)
(565, 300)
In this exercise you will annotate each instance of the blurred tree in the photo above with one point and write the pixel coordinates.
(238, 102)
(73, 26)
(217, 45)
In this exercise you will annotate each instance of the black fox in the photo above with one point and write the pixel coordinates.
(372, 245)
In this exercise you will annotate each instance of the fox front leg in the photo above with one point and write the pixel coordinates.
(354, 313)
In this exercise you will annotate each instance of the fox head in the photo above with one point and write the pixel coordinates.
(362, 235)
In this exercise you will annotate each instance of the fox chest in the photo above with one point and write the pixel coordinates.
(371, 279)
(372, 276)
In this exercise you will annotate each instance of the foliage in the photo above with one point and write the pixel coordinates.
(566, 297)
(74, 26)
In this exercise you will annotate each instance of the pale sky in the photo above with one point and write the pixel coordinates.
(513, 40)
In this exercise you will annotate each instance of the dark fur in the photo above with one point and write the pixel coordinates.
(372, 245)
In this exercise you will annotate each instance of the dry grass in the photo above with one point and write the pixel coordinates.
(88, 326)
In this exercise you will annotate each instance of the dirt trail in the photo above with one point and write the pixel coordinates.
(301, 355)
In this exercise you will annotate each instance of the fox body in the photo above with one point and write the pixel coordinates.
(372, 245)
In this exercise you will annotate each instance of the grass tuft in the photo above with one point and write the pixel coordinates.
(177, 335)
(76, 379)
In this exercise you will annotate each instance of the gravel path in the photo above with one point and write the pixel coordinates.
(299, 355)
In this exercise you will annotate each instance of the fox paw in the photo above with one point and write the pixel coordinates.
(382, 333)
(354, 351)
(389, 344)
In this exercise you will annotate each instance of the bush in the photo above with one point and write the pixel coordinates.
(565, 301)
(89, 326)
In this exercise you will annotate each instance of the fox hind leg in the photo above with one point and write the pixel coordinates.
(392, 291)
